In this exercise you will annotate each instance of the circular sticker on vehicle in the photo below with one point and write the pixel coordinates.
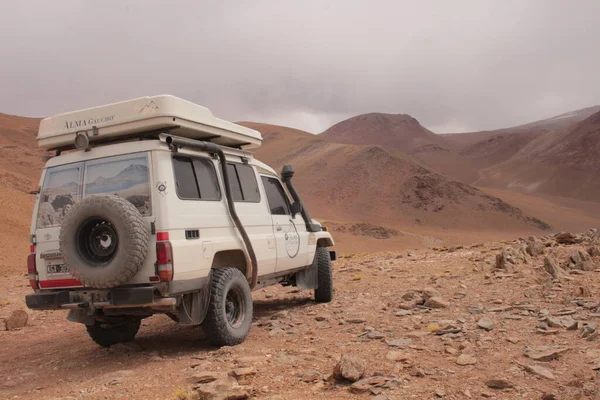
(292, 241)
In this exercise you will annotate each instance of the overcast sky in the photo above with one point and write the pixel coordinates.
(453, 65)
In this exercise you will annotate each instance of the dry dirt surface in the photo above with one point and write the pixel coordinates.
(482, 321)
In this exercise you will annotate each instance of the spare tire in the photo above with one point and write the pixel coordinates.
(104, 241)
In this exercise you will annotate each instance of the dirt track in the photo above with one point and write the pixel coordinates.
(293, 337)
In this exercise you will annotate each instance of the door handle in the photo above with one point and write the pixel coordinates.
(279, 228)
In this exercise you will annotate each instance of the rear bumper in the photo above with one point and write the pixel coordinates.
(111, 298)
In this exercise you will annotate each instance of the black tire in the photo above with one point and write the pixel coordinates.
(324, 290)
(229, 315)
(108, 335)
(104, 241)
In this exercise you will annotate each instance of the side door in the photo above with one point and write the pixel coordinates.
(252, 211)
(290, 232)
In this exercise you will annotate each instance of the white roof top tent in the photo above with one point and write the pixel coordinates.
(143, 117)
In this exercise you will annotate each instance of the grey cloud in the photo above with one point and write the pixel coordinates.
(459, 65)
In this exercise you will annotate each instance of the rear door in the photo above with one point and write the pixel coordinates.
(125, 175)
(61, 190)
(290, 232)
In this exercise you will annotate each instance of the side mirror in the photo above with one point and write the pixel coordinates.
(296, 208)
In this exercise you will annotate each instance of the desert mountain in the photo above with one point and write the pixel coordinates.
(561, 162)
(404, 133)
(368, 183)
(488, 148)
(391, 130)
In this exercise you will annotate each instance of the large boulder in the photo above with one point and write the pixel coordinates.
(567, 238)
(350, 368)
(580, 260)
(16, 320)
(552, 267)
(534, 247)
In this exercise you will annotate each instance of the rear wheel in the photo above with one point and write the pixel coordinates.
(107, 335)
(324, 290)
(229, 313)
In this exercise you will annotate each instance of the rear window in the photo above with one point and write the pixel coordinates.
(127, 176)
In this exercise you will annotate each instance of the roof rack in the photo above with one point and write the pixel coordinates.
(143, 118)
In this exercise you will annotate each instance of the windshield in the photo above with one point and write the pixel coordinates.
(126, 176)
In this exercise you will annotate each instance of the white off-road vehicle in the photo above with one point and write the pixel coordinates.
(154, 206)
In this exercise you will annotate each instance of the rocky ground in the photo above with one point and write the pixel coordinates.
(495, 320)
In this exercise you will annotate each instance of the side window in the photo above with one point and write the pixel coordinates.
(248, 183)
(196, 179)
(185, 179)
(275, 196)
(234, 183)
(244, 186)
(206, 177)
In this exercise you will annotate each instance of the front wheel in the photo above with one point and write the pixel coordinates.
(229, 313)
(107, 335)
(324, 290)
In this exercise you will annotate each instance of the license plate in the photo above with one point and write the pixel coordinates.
(57, 269)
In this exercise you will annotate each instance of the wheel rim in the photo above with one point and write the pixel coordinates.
(97, 241)
(234, 308)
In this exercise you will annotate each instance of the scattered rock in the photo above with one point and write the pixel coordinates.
(466, 359)
(584, 291)
(594, 251)
(505, 262)
(436, 302)
(402, 313)
(430, 292)
(16, 320)
(499, 384)
(244, 371)
(539, 371)
(375, 335)
(223, 389)
(367, 384)
(310, 376)
(207, 377)
(566, 238)
(486, 323)
(349, 367)
(535, 247)
(356, 320)
(554, 322)
(398, 356)
(581, 260)
(552, 267)
(544, 353)
(398, 342)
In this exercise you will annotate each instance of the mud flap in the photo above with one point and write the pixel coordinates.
(80, 316)
(194, 306)
(308, 278)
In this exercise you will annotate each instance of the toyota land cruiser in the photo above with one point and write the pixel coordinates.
(154, 206)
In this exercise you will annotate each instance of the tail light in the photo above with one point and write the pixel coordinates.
(164, 258)
(31, 268)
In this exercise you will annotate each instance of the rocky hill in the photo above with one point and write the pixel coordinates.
(504, 320)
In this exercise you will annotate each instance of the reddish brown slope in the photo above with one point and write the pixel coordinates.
(20, 167)
(370, 184)
(560, 163)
